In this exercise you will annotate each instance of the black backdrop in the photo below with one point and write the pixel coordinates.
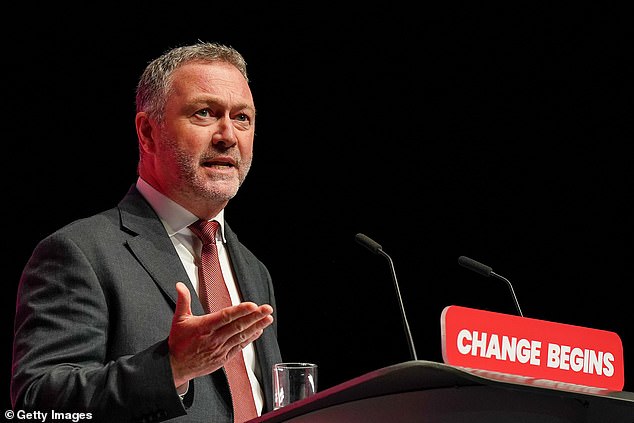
(500, 133)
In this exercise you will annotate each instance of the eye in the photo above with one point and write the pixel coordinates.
(203, 113)
(242, 121)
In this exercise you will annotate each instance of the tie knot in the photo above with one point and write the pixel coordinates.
(205, 230)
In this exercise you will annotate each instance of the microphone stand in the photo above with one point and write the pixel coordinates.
(408, 333)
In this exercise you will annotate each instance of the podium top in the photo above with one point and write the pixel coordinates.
(419, 377)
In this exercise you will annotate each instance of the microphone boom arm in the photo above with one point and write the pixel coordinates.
(486, 271)
(408, 333)
(508, 282)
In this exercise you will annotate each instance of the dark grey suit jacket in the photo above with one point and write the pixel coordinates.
(94, 309)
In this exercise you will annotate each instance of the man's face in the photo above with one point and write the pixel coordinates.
(204, 147)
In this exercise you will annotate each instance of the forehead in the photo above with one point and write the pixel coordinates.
(215, 78)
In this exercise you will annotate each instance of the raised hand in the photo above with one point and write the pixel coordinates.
(200, 345)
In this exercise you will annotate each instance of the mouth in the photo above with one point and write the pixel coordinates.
(220, 162)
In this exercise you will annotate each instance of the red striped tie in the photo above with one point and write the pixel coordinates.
(214, 295)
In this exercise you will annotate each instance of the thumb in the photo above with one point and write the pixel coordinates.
(183, 302)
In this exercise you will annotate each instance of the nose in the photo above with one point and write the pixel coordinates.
(225, 133)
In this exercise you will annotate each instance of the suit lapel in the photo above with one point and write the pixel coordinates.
(241, 267)
(152, 247)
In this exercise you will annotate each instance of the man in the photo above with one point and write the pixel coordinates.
(108, 319)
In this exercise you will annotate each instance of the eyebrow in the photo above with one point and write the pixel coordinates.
(209, 99)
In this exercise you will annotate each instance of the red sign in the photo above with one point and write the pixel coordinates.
(537, 349)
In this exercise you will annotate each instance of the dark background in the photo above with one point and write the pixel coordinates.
(502, 133)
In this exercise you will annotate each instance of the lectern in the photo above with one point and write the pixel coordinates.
(430, 392)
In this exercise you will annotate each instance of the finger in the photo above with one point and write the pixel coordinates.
(248, 323)
(183, 302)
(228, 315)
(240, 330)
(248, 332)
(239, 347)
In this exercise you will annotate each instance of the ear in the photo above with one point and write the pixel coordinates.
(144, 131)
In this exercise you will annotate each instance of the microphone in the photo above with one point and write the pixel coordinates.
(487, 271)
(376, 248)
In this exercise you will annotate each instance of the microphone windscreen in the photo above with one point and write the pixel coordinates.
(368, 243)
(476, 266)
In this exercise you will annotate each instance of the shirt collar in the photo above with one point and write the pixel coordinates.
(175, 217)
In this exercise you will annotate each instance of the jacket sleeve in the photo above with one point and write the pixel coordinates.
(60, 349)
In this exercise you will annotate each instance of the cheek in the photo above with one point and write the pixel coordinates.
(190, 140)
(246, 153)
(245, 145)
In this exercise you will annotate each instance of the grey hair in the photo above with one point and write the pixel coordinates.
(155, 82)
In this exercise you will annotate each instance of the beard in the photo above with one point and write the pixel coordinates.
(196, 182)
